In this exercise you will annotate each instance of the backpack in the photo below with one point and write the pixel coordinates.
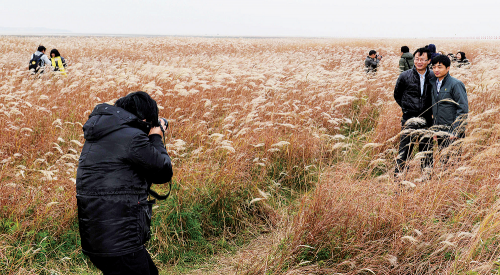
(63, 61)
(407, 64)
(35, 62)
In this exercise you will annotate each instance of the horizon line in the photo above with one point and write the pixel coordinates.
(482, 37)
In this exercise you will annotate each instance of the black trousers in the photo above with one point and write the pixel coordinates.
(406, 144)
(136, 263)
(445, 142)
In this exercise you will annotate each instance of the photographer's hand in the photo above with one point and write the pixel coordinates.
(156, 130)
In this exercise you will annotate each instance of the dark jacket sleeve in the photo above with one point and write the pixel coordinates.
(460, 97)
(148, 153)
(371, 63)
(399, 89)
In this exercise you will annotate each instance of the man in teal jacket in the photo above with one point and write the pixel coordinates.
(449, 102)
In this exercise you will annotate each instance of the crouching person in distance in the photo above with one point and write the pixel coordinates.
(413, 94)
(122, 156)
(371, 61)
(450, 106)
(38, 61)
(58, 62)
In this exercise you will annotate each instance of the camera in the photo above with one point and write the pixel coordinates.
(161, 126)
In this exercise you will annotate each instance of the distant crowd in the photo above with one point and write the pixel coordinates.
(39, 61)
(406, 61)
(434, 104)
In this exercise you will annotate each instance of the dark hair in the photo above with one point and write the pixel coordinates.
(443, 59)
(405, 49)
(462, 55)
(140, 104)
(54, 51)
(41, 48)
(372, 52)
(432, 48)
(421, 51)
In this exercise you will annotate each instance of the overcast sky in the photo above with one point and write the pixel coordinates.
(306, 18)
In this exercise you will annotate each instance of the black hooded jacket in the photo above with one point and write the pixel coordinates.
(119, 162)
(407, 94)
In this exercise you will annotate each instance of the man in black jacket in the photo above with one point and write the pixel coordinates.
(122, 156)
(413, 95)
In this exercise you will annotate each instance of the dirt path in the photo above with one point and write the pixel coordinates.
(250, 259)
(253, 258)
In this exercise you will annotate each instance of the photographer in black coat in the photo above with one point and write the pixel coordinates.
(122, 156)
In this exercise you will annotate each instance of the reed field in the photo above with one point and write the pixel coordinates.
(283, 153)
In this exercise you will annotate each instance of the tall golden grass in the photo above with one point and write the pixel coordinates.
(283, 134)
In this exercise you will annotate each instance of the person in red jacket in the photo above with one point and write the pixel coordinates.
(122, 156)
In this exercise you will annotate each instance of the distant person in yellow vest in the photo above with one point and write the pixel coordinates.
(58, 62)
